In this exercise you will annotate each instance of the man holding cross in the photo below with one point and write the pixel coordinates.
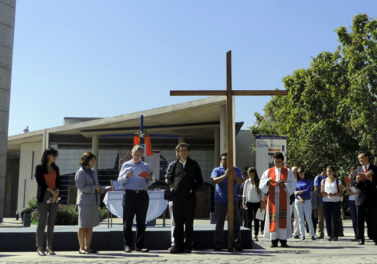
(220, 176)
(278, 183)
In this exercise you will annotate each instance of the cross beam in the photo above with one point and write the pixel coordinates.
(229, 93)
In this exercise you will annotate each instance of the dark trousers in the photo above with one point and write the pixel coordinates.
(134, 204)
(221, 210)
(184, 212)
(45, 208)
(252, 209)
(332, 209)
(366, 214)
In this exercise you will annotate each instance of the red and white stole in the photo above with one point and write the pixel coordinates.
(282, 214)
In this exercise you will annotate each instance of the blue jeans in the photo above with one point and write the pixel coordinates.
(304, 210)
(352, 207)
(332, 209)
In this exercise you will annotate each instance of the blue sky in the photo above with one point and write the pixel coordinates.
(92, 58)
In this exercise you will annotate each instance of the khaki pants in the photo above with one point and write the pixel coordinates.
(321, 219)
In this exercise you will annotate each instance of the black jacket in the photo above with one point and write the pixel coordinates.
(40, 177)
(366, 191)
(185, 181)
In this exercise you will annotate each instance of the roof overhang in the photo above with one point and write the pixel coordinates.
(191, 119)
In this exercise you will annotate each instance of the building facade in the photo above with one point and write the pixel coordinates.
(199, 123)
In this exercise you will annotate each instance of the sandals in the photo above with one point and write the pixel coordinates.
(92, 251)
(50, 252)
(83, 252)
(41, 253)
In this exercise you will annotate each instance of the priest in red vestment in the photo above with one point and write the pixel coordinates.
(278, 183)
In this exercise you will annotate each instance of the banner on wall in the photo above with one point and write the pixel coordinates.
(154, 164)
(266, 147)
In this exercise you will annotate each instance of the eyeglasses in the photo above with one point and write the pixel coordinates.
(301, 171)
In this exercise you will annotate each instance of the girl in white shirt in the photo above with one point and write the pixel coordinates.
(331, 190)
(252, 199)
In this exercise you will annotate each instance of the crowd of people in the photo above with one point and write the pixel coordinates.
(268, 201)
(313, 203)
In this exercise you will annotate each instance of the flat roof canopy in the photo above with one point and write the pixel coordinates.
(194, 119)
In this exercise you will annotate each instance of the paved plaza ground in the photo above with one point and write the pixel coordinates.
(303, 252)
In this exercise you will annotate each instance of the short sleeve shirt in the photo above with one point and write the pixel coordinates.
(221, 195)
(317, 183)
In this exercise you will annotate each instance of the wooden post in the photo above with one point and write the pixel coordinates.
(230, 132)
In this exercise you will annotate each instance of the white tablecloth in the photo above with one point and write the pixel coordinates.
(157, 204)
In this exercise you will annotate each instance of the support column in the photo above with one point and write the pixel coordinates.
(217, 147)
(223, 129)
(7, 15)
(45, 140)
(95, 145)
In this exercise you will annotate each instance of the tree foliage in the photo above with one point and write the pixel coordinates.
(330, 112)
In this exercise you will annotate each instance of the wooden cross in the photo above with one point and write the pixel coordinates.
(229, 93)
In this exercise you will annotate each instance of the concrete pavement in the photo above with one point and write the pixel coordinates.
(320, 251)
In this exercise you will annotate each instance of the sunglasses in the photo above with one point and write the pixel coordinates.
(301, 171)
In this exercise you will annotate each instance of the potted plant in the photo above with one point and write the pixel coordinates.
(27, 212)
(26, 216)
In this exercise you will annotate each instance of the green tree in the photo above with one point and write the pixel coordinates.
(330, 111)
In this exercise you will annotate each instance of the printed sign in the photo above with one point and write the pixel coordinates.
(266, 147)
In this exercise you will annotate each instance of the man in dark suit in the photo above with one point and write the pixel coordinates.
(366, 197)
(185, 179)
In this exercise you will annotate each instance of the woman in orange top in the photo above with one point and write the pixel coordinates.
(48, 179)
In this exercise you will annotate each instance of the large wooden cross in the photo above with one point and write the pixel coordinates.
(229, 93)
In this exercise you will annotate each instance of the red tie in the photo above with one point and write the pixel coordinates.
(365, 169)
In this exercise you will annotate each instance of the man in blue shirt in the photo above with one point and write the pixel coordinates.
(320, 211)
(220, 176)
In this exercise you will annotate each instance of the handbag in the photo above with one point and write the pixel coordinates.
(291, 199)
(168, 195)
(260, 214)
(245, 221)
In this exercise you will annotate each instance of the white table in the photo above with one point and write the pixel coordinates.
(157, 203)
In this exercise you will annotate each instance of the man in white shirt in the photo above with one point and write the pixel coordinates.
(279, 183)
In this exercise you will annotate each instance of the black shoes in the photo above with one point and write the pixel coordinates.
(273, 245)
(313, 238)
(296, 237)
(284, 245)
(175, 250)
(217, 249)
(361, 242)
(127, 249)
(187, 250)
(239, 249)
